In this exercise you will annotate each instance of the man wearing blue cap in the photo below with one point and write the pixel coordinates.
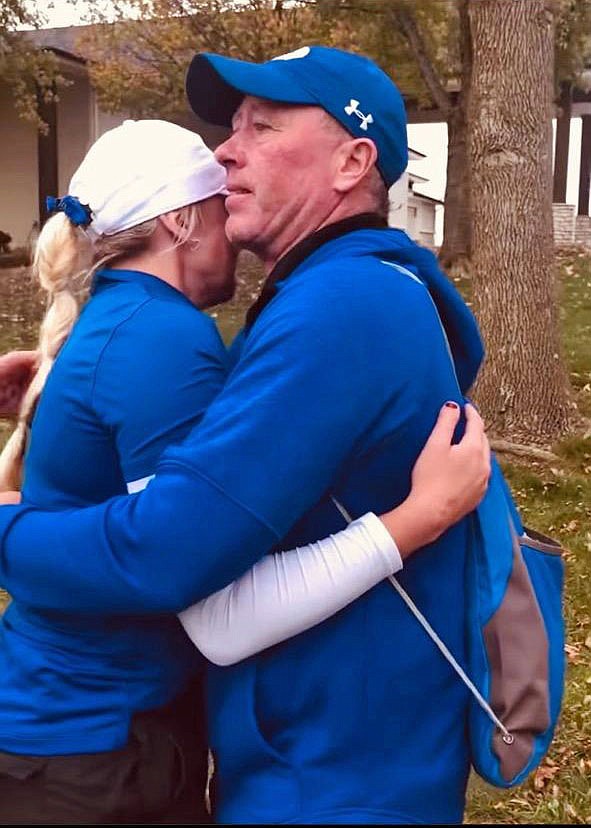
(356, 341)
(359, 720)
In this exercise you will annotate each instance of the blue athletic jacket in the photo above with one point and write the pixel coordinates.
(139, 369)
(335, 388)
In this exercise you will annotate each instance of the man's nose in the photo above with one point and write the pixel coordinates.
(228, 152)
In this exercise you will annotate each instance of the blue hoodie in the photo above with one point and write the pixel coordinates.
(337, 386)
(138, 370)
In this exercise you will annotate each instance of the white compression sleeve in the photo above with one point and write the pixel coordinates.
(289, 592)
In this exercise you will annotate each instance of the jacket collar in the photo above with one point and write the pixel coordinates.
(304, 248)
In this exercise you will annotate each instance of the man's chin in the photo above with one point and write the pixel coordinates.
(240, 236)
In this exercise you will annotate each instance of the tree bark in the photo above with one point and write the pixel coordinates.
(456, 244)
(457, 218)
(523, 391)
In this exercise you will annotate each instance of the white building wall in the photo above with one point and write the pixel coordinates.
(73, 129)
(18, 172)
(423, 226)
(398, 197)
(79, 123)
(410, 212)
(106, 120)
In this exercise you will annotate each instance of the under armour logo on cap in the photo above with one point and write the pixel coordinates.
(298, 53)
(353, 110)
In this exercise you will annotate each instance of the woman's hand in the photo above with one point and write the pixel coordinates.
(17, 369)
(448, 481)
(9, 498)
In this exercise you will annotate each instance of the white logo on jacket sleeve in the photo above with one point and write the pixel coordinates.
(298, 53)
(352, 109)
(139, 485)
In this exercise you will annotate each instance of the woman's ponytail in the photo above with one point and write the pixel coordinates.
(62, 258)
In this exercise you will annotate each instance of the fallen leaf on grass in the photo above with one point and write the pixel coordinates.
(544, 774)
(573, 653)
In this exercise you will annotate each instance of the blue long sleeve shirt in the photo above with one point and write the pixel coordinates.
(138, 371)
(336, 386)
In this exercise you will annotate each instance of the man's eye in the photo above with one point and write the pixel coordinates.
(260, 126)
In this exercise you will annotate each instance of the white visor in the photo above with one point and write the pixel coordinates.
(141, 169)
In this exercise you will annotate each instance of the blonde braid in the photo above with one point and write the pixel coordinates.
(62, 257)
(65, 261)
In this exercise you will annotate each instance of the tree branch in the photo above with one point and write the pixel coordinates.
(506, 447)
(406, 22)
(372, 8)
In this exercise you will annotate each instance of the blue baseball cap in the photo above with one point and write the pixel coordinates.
(350, 87)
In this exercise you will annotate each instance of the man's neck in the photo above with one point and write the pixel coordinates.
(304, 248)
(342, 211)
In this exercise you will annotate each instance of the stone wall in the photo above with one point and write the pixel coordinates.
(563, 216)
(583, 231)
(569, 229)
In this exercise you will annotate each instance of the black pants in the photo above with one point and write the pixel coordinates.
(159, 777)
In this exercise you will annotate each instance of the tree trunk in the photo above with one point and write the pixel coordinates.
(523, 391)
(457, 219)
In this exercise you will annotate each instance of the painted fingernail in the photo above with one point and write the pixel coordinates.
(450, 404)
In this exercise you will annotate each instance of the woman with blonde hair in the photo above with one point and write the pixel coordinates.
(101, 717)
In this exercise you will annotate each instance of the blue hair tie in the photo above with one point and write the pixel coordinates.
(79, 214)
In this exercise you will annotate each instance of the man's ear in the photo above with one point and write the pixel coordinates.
(353, 161)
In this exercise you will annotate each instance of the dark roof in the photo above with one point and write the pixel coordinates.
(426, 197)
(62, 40)
(65, 42)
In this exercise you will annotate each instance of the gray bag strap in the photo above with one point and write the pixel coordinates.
(506, 736)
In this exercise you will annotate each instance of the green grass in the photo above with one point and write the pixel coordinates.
(555, 498)
(576, 325)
